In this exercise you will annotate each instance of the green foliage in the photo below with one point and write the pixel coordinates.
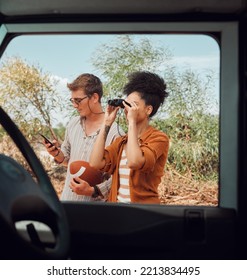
(194, 142)
(28, 95)
(115, 61)
(190, 118)
(189, 93)
(60, 131)
(2, 133)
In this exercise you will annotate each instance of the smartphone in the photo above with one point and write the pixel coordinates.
(46, 139)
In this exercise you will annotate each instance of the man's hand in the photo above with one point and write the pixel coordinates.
(80, 187)
(52, 149)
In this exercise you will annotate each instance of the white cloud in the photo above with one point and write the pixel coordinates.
(198, 63)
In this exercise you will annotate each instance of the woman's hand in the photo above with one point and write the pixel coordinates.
(110, 114)
(131, 112)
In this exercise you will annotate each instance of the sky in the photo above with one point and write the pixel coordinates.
(67, 56)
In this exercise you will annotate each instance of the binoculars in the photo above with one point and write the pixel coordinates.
(118, 102)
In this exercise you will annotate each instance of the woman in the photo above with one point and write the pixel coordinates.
(137, 159)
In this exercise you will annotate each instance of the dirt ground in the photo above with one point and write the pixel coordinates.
(174, 189)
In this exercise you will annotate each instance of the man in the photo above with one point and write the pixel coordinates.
(81, 132)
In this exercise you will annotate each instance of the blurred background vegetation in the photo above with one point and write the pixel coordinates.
(188, 117)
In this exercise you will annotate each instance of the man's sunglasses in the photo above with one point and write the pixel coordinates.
(77, 101)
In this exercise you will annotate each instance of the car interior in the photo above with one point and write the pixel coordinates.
(35, 224)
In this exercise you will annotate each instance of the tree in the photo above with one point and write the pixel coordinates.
(189, 92)
(126, 54)
(28, 95)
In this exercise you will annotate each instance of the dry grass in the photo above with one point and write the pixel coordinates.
(176, 189)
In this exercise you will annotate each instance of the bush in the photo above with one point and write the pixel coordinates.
(193, 144)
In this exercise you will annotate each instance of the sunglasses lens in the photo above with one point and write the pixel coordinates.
(77, 101)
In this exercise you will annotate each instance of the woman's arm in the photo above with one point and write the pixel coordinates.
(97, 155)
(134, 153)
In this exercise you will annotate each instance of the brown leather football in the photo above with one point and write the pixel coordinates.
(84, 171)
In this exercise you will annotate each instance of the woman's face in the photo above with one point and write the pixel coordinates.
(142, 110)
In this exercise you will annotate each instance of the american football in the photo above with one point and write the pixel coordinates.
(84, 171)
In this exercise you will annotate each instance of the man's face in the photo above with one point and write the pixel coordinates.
(80, 101)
